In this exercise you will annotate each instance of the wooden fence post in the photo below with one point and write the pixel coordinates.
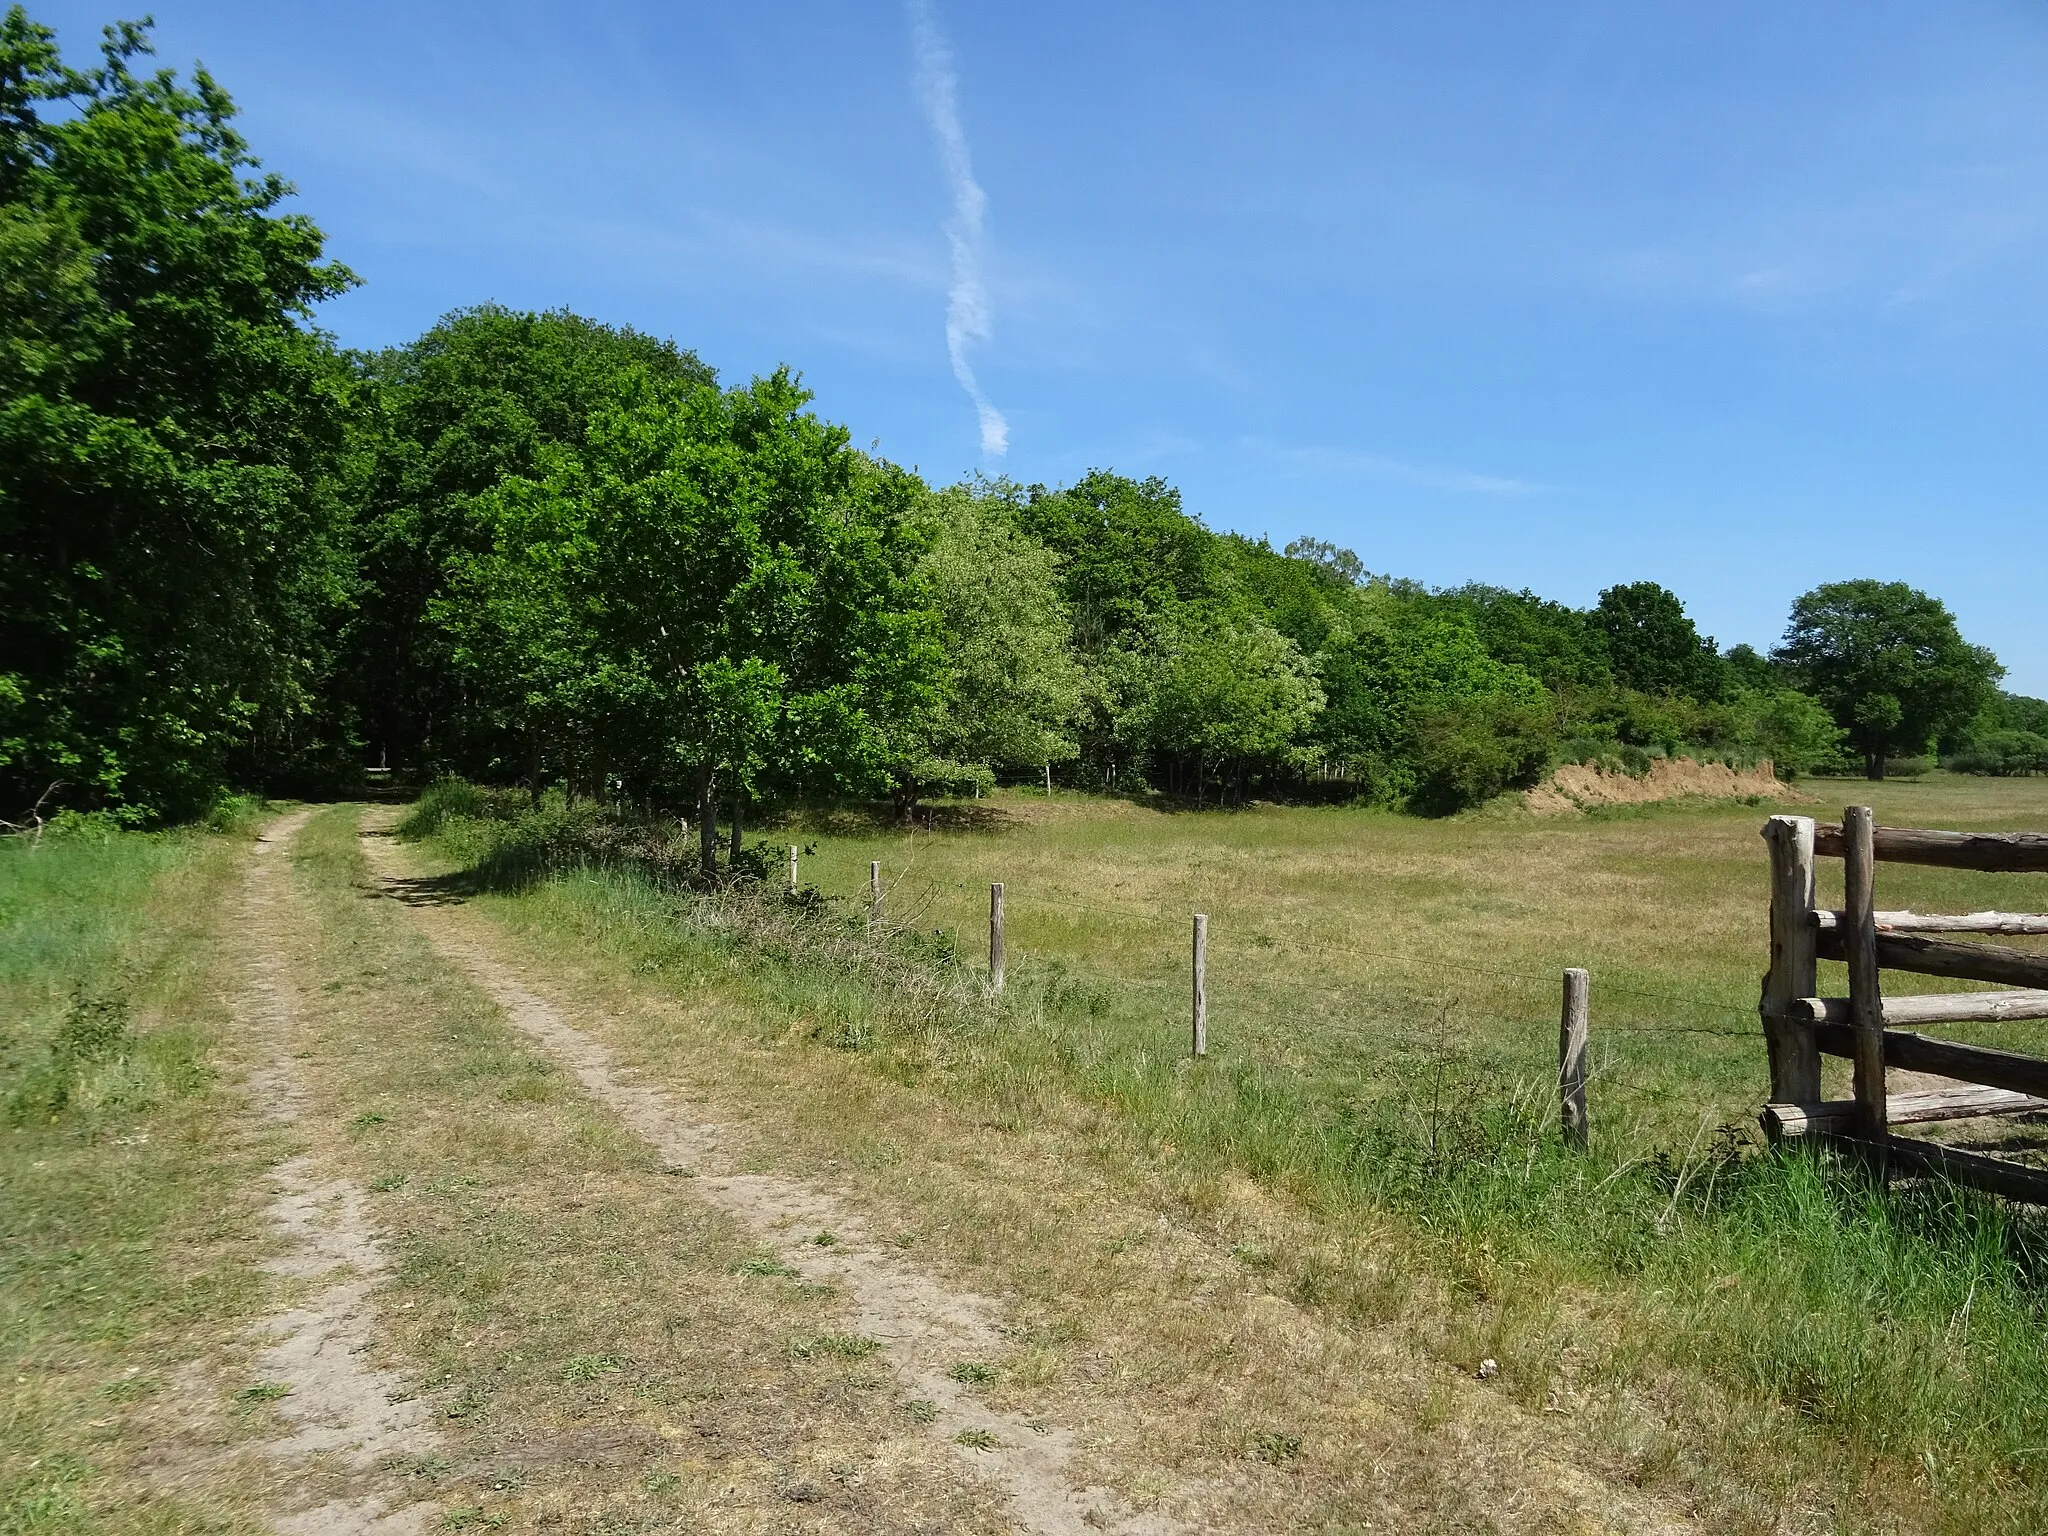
(1048, 781)
(1866, 1002)
(1201, 984)
(995, 936)
(1571, 1058)
(792, 869)
(874, 894)
(1795, 1060)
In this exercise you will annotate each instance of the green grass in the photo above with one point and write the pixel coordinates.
(121, 1190)
(1383, 996)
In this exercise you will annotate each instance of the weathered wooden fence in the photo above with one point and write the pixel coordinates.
(1872, 1030)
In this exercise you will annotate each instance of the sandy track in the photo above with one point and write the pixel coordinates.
(340, 1408)
(926, 1326)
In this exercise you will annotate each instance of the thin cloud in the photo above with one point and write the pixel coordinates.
(967, 309)
(1380, 466)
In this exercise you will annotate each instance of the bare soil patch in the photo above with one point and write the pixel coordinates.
(340, 1411)
(1578, 787)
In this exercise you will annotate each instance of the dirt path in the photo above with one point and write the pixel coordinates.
(343, 1413)
(927, 1328)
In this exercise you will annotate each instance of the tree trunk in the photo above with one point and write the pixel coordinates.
(1873, 765)
(707, 823)
(533, 769)
(905, 795)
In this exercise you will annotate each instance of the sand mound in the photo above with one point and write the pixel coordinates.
(1577, 787)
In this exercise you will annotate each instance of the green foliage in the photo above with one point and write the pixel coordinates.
(2002, 754)
(1793, 731)
(1561, 646)
(1412, 697)
(1469, 751)
(1226, 692)
(1012, 684)
(166, 417)
(715, 592)
(486, 396)
(1889, 664)
(1127, 551)
(2008, 738)
(1747, 667)
(1652, 646)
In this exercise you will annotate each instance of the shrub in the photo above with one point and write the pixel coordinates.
(2002, 754)
(1471, 751)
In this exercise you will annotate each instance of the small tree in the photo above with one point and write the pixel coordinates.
(1012, 683)
(1889, 664)
(1233, 693)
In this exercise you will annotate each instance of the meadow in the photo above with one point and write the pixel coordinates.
(1260, 1287)
(1773, 1339)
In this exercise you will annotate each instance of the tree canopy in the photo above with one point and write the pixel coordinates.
(167, 415)
(1888, 663)
(1652, 645)
(714, 593)
(538, 546)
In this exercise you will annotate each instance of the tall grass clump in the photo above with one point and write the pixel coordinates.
(1904, 1326)
(76, 947)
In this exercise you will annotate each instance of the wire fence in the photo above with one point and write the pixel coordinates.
(1381, 999)
(927, 889)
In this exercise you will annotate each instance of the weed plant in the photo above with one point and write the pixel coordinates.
(1900, 1330)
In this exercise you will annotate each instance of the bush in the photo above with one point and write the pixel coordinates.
(1469, 752)
(453, 799)
(2002, 754)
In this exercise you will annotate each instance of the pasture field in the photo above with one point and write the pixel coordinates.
(1765, 1344)
(1355, 947)
(1256, 1292)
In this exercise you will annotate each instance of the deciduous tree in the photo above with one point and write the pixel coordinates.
(167, 412)
(1889, 664)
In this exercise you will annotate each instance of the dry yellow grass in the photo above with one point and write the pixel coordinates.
(1236, 1349)
(1170, 1342)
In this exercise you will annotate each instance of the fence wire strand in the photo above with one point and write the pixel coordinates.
(928, 887)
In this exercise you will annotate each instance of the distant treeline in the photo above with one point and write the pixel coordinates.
(539, 548)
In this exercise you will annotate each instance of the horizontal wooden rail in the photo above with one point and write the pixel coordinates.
(1944, 957)
(1939, 922)
(1928, 1008)
(1945, 1058)
(1924, 1106)
(2014, 1181)
(1998, 852)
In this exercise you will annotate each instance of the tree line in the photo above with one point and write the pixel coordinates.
(538, 548)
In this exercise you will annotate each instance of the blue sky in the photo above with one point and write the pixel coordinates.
(1739, 298)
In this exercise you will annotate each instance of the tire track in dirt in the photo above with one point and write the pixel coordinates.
(341, 1409)
(925, 1326)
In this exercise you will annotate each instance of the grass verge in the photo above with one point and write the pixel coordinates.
(124, 1176)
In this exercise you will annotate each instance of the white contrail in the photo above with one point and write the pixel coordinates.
(967, 300)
